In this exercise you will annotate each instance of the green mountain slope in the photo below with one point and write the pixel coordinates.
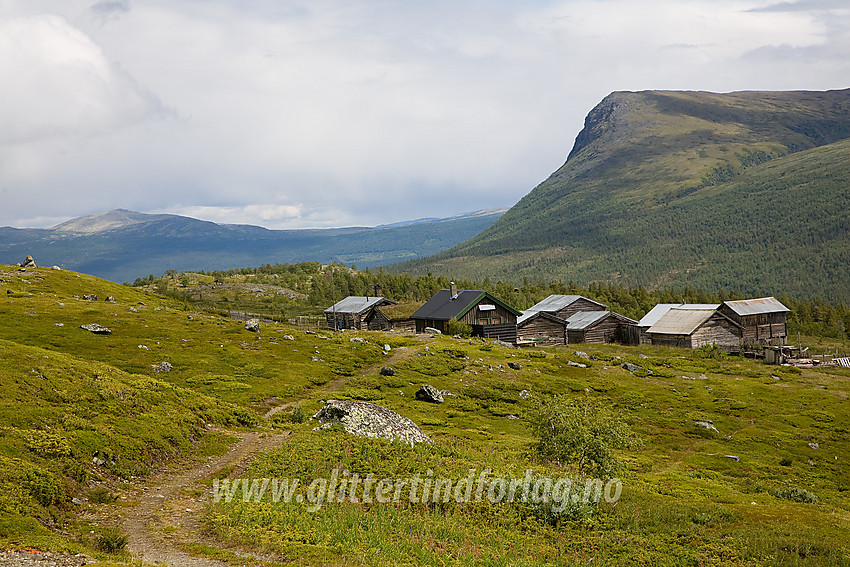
(742, 191)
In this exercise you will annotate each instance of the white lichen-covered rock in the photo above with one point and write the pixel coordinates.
(371, 420)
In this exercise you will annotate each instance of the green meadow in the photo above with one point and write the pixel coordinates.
(86, 417)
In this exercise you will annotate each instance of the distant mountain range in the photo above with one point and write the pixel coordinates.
(746, 191)
(122, 245)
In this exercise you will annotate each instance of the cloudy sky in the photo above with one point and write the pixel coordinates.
(318, 113)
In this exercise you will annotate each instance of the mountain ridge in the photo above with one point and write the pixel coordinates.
(123, 245)
(646, 163)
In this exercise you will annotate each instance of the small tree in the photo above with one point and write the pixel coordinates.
(578, 432)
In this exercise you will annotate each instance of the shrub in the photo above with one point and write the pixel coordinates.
(298, 415)
(785, 462)
(796, 495)
(455, 327)
(101, 495)
(579, 432)
(111, 540)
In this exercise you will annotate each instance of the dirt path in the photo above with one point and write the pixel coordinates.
(169, 506)
(167, 516)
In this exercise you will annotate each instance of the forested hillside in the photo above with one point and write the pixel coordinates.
(742, 191)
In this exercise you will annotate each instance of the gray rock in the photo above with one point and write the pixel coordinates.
(370, 420)
(288, 337)
(631, 367)
(28, 263)
(576, 364)
(134, 310)
(144, 347)
(814, 446)
(252, 325)
(733, 457)
(162, 367)
(357, 340)
(642, 356)
(706, 424)
(502, 344)
(432, 331)
(445, 393)
(428, 393)
(110, 299)
(387, 348)
(317, 359)
(76, 501)
(512, 417)
(524, 394)
(581, 354)
(97, 329)
(57, 268)
(688, 378)
(515, 365)
(90, 297)
(775, 377)
(387, 371)
(702, 377)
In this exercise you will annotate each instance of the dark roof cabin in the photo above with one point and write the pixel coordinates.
(359, 313)
(693, 328)
(763, 320)
(488, 316)
(598, 327)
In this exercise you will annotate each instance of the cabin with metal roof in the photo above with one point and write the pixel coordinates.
(358, 312)
(763, 320)
(488, 316)
(599, 327)
(654, 314)
(693, 328)
(564, 306)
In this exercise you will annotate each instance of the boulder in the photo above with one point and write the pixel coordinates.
(515, 365)
(814, 446)
(97, 329)
(358, 340)
(387, 371)
(162, 367)
(502, 343)
(110, 299)
(28, 263)
(631, 367)
(576, 364)
(581, 354)
(524, 394)
(370, 420)
(706, 424)
(90, 297)
(57, 268)
(735, 458)
(252, 325)
(427, 393)
(432, 331)
(445, 393)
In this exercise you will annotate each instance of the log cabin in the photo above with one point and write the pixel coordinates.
(359, 313)
(541, 328)
(488, 316)
(693, 328)
(599, 327)
(763, 320)
(654, 314)
(563, 306)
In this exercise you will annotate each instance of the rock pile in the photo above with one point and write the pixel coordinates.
(428, 393)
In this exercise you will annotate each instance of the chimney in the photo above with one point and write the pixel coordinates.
(453, 289)
(379, 291)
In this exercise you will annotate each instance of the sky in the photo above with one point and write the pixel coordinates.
(327, 113)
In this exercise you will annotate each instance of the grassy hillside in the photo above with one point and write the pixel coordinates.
(740, 191)
(68, 393)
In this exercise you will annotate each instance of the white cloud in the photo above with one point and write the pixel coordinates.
(339, 112)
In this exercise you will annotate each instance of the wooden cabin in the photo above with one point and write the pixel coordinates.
(599, 327)
(488, 316)
(359, 313)
(541, 328)
(654, 314)
(563, 306)
(693, 328)
(763, 320)
(400, 317)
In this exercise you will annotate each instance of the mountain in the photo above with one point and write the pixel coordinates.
(746, 191)
(122, 245)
